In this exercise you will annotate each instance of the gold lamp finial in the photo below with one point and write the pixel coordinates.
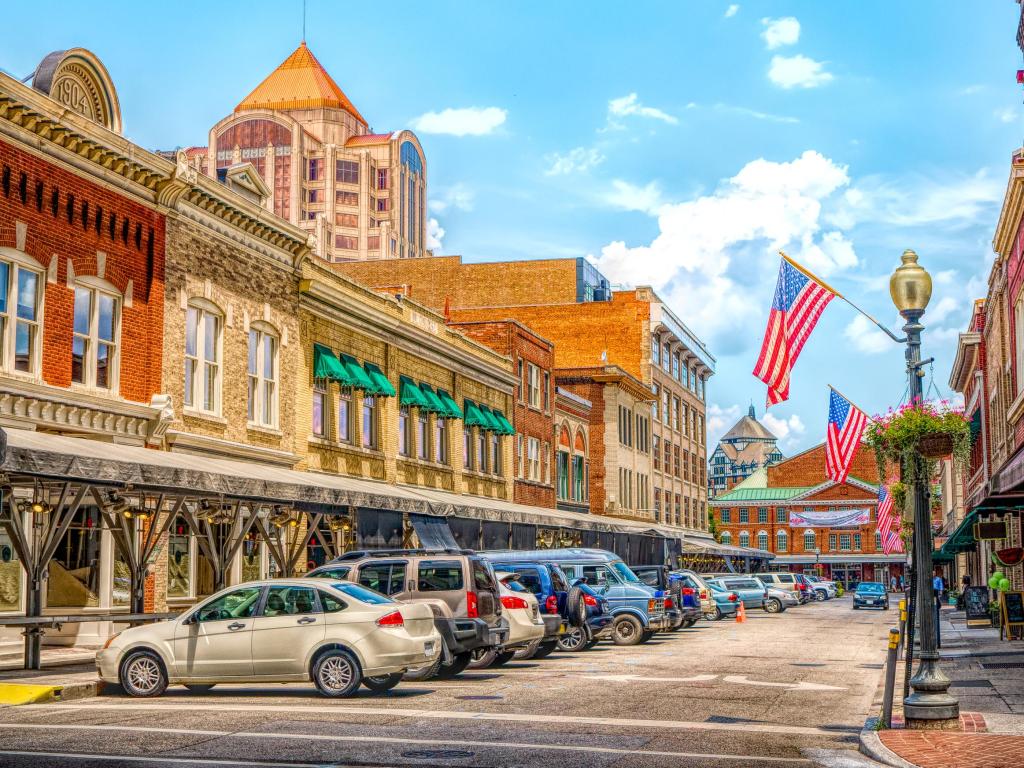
(910, 285)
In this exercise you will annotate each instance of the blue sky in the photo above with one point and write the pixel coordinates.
(679, 144)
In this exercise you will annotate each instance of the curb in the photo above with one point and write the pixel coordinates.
(17, 694)
(873, 747)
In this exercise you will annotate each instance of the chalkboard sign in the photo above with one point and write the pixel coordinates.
(976, 607)
(1012, 605)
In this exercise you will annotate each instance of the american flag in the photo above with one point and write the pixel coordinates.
(886, 523)
(798, 303)
(846, 424)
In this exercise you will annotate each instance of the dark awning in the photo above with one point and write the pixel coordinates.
(433, 532)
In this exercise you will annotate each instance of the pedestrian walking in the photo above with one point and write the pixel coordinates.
(892, 584)
(965, 584)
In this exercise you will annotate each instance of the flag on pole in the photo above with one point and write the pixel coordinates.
(886, 522)
(846, 424)
(799, 301)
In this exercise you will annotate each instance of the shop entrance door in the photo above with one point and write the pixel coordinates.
(847, 575)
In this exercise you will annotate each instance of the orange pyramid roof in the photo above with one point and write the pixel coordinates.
(300, 82)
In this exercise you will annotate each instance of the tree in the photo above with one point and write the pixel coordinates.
(712, 528)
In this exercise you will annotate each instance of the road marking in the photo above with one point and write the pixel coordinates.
(641, 678)
(394, 740)
(533, 719)
(801, 686)
(164, 760)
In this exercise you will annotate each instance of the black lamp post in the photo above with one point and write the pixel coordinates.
(930, 702)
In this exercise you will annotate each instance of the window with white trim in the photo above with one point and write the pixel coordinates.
(744, 539)
(203, 327)
(781, 541)
(262, 402)
(20, 315)
(94, 341)
(533, 459)
(762, 540)
(533, 385)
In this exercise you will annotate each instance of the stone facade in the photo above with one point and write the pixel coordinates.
(532, 359)
(246, 290)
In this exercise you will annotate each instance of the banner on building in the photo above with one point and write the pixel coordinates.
(843, 518)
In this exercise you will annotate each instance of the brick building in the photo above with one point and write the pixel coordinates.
(809, 522)
(989, 372)
(570, 303)
(533, 415)
(572, 450)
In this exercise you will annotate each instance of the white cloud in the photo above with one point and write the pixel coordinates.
(435, 234)
(970, 90)
(866, 337)
(630, 197)
(466, 121)
(719, 420)
(575, 160)
(630, 105)
(787, 430)
(757, 115)
(798, 72)
(458, 196)
(956, 199)
(1006, 115)
(714, 254)
(731, 11)
(780, 32)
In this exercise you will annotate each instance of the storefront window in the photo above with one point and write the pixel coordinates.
(369, 422)
(179, 567)
(10, 575)
(74, 571)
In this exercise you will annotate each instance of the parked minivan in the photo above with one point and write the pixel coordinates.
(636, 610)
(459, 585)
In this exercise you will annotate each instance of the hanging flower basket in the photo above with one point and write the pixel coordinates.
(936, 446)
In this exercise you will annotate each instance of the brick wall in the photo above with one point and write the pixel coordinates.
(808, 468)
(69, 219)
(432, 281)
(594, 392)
(522, 345)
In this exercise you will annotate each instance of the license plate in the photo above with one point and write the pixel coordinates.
(429, 648)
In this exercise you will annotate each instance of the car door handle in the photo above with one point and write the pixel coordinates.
(306, 620)
(236, 625)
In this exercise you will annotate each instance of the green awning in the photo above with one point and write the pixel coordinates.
(493, 425)
(360, 378)
(962, 539)
(411, 394)
(975, 424)
(474, 417)
(381, 385)
(434, 404)
(506, 425)
(451, 408)
(327, 366)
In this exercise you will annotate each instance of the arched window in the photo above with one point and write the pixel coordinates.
(781, 541)
(21, 312)
(726, 537)
(580, 470)
(263, 375)
(96, 330)
(744, 539)
(562, 462)
(762, 540)
(203, 329)
(810, 541)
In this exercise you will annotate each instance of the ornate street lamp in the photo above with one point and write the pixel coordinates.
(911, 288)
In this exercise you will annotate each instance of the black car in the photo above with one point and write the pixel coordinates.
(871, 594)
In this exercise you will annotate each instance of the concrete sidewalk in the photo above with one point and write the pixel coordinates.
(67, 673)
(988, 679)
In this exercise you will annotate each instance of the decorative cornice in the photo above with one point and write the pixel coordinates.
(188, 442)
(1013, 208)
(80, 142)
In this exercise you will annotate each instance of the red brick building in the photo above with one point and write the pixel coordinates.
(809, 522)
(533, 417)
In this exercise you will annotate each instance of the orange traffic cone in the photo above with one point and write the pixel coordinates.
(741, 613)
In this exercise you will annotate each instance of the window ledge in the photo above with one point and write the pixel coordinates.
(264, 429)
(483, 475)
(194, 413)
(104, 392)
(1013, 413)
(535, 483)
(425, 464)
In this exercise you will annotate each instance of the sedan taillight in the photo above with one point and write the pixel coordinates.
(511, 601)
(393, 619)
(733, 597)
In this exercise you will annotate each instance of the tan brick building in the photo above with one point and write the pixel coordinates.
(809, 522)
(362, 194)
(532, 358)
(570, 303)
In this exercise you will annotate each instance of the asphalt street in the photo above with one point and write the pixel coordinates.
(778, 690)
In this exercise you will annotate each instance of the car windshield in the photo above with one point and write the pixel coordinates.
(623, 572)
(716, 586)
(871, 587)
(362, 594)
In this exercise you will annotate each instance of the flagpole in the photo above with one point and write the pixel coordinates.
(817, 279)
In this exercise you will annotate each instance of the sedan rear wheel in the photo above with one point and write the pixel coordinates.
(574, 640)
(459, 663)
(545, 649)
(820, 595)
(714, 615)
(336, 674)
(527, 653)
(142, 675)
(482, 658)
(423, 673)
(627, 630)
(503, 658)
(773, 605)
(382, 683)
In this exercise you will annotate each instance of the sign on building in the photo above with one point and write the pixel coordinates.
(842, 518)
